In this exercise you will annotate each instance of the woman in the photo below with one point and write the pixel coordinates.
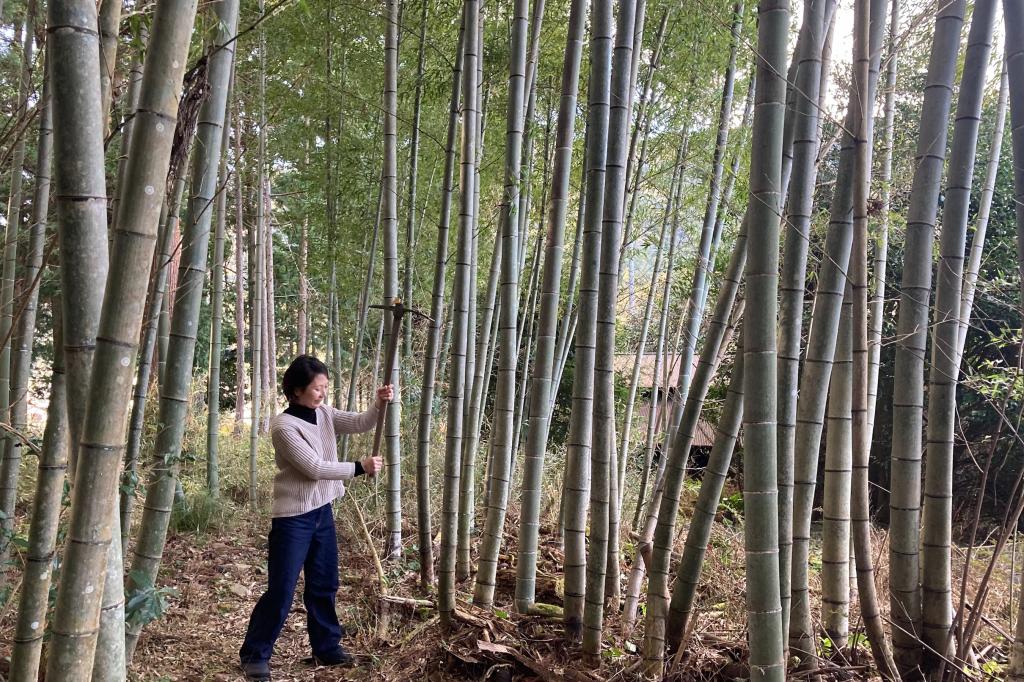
(302, 534)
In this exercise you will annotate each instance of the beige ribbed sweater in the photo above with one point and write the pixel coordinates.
(310, 474)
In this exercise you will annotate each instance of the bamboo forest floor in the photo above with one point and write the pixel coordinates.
(218, 573)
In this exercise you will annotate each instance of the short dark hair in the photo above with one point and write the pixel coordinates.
(300, 374)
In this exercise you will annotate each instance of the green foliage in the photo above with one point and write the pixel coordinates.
(200, 513)
(147, 602)
(731, 506)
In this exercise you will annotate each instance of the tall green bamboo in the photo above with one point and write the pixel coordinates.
(430, 361)
(684, 587)
(1013, 15)
(42, 538)
(658, 390)
(42, 535)
(944, 371)
(871, 17)
(140, 396)
(604, 496)
(803, 120)
(973, 266)
(578, 475)
(694, 304)
(500, 473)
(110, 29)
(240, 268)
(881, 240)
(760, 494)
(414, 158)
(641, 352)
(543, 367)
(20, 358)
(80, 189)
(911, 340)
(820, 351)
(131, 103)
(458, 319)
(835, 529)
(93, 512)
(256, 269)
(664, 505)
(216, 312)
(389, 188)
(478, 380)
(176, 386)
(11, 458)
(364, 302)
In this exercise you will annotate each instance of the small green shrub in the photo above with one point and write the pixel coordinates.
(201, 513)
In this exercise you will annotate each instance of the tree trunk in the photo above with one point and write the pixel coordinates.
(82, 230)
(1014, 16)
(603, 492)
(500, 473)
(666, 501)
(984, 211)
(819, 354)
(414, 154)
(303, 321)
(430, 363)
(543, 367)
(42, 534)
(392, 433)
(684, 588)
(802, 118)
(128, 114)
(835, 529)
(136, 425)
(944, 371)
(760, 492)
(269, 308)
(216, 306)
(109, 29)
(911, 339)
(175, 390)
(458, 320)
(476, 369)
(578, 475)
(240, 269)
(694, 305)
(94, 539)
(659, 403)
(364, 302)
(12, 460)
(881, 241)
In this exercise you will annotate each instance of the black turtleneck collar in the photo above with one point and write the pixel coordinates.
(307, 414)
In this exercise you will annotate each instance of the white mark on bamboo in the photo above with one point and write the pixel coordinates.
(149, 189)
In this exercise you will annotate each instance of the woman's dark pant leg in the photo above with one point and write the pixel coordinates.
(321, 569)
(288, 544)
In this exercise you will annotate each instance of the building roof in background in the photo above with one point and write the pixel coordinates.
(624, 367)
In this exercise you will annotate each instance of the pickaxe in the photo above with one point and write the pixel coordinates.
(398, 311)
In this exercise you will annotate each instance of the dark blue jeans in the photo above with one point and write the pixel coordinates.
(305, 542)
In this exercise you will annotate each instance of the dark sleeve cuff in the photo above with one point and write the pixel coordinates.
(359, 469)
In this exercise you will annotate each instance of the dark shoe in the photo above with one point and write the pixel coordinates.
(336, 657)
(256, 670)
